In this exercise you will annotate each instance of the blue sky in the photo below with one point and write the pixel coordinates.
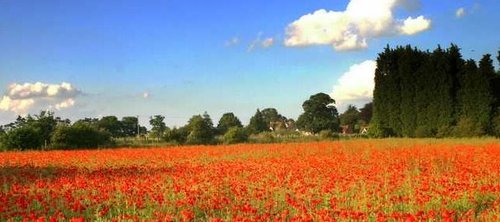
(180, 57)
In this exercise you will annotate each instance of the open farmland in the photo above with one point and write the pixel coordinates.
(392, 179)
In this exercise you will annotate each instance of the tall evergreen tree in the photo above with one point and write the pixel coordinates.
(386, 95)
(469, 98)
(487, 74)
(410, 60)
(427, 93)
(442, 106)
(423, 98)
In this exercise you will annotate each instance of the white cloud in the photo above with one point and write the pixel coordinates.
(18, 106)
(355, 85)
(22, 98)
(145, 95)
(232, 42)
(65, 104)
(413, 26)
(352, 28)
(259, 42)
(266, 43)
(460, 12)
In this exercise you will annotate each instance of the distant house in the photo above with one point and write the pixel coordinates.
(282, 125)
(346, 129)
(364, 130)
(304, 133)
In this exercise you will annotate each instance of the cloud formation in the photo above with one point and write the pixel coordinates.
(259, 42)
(232, 42)
(351, 29)
(266, 43)
(460, 12)
(21, 98)
(355, 85)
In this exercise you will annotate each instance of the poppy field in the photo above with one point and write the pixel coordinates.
(368, 180)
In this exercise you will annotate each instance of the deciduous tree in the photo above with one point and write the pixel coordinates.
(227, 121)
(319, 114)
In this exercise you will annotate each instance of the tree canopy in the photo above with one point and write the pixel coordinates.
(427, 94)
(158, 126)
(79, 135)
(319, 114)
(350, 117)
(201, 130)
(257, 123)
(227, 121)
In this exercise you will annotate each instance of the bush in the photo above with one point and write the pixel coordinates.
(424, 132)
(496, 126)
(198, 137)
(235, 135)
(79, 136)
(268, 137)
(264, 137)
(467, 128)
(2, 138)
(176, 135)
(444, 131)
(22, 138)
(328, 135)
(376, 131)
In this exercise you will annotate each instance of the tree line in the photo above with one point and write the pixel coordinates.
(435, 94)
(46, 131)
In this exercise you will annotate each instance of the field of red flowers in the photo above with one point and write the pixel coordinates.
(376, 180)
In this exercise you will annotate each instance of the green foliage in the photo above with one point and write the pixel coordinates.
(129, 126)
(22, 138)
(80, 135)
(466, 127)
(227, 121)
(274, 120)
(319, 114)
(257, 123)
(476, 98)
(424, 132)
(444, 131)
(90, 121)
(158, 126)
(112, 125)
(265, 137)
(426, 94)
(377, 131)
(496, 125)
(45, 123)
(32, 132)
(2, 138)
(201, 130)
(328, 135)
(366, 113)
(271, 115)
(498, 56)
(126, 127)
(350, 117)
(176, 135)
(235, 135)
